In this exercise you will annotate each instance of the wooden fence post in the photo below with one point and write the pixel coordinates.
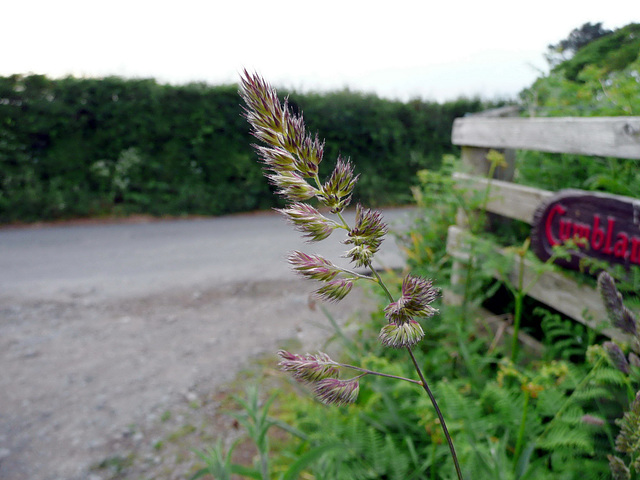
(474, 161)
(475, 158)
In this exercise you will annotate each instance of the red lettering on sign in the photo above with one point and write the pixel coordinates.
(597, 237)
(607, 247)
(564, 230)
(635, 250)
(620, 247)
(581, 230)
(548, 224)
(607, 225)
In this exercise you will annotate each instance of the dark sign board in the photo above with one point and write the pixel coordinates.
(608, 227)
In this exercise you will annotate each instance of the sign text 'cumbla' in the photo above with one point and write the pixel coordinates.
(606, 226)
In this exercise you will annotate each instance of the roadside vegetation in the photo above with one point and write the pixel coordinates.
(566, 410)
(569, 410)
(76, 147)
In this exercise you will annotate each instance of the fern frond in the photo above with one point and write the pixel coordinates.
(563, 337)
(548, 401)
(591, 392)
(503, 403)
(364, 453)
(566, 437)
(570, 466)
(609, 376)
(572, 415)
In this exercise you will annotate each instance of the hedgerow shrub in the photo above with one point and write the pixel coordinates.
(64, 146)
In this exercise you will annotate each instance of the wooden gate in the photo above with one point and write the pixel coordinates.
(594, 136)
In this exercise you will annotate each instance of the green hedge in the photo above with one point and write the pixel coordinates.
(85, 147)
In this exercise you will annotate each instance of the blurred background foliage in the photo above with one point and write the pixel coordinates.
(79, 147)
(89, 147)
(600, 77)
(76, 147)
(553, 413)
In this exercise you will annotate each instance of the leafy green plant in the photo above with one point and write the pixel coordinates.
(628, 366)
(254, 417)
(292, 158)
(601, 79)
(564, 338)
(192, 143)
(545, 425)
(531, 419)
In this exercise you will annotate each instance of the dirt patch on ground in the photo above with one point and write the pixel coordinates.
(126, 389)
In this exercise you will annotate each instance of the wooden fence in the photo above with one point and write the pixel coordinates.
(610, 136)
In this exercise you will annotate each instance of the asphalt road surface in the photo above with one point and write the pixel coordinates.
(104, 325)
(122, 260)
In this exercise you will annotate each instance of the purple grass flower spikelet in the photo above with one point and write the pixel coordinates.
(312, 150)
(617, 357)
(619, 471)
(619, 315)
(292, 186)
(402, 334)
(402, 330)
(592, 420)
(263, 111)
(307, 150)
(628, 440)
(628, 322)
(395, 313)
(333, 391)
(292, 155)
(335, 290)
(294, 131)
(277, 159)
(634, 360)
(308, 368)
(366, 236)
(336, 192)
(417, 295)
(313, 266)
(610, 295)
(309, 221)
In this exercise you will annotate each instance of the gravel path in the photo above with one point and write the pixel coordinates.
(117, 338)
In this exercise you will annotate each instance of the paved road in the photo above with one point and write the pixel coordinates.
(134, 259)
(106, 326)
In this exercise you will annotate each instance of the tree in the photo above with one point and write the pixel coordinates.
(578, 38)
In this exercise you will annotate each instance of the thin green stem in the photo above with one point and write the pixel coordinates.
(517, 316)
(467, 288)
(316, 179)
(443, 424)
(523, 421)
(567, 402)
(359, 275)
(379, 374)
(380, 282)
(433, 462)
(487, 190)
(264, 464)
(425, 386)
(423, 382)
(344, 222)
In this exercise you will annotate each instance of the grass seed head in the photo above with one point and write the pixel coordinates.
(333, 391)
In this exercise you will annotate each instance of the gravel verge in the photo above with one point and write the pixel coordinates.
(99, 389)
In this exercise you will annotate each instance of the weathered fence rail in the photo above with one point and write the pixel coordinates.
(601, 136)
(612, 137)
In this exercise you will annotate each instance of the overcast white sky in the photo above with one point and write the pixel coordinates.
(395, 48)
